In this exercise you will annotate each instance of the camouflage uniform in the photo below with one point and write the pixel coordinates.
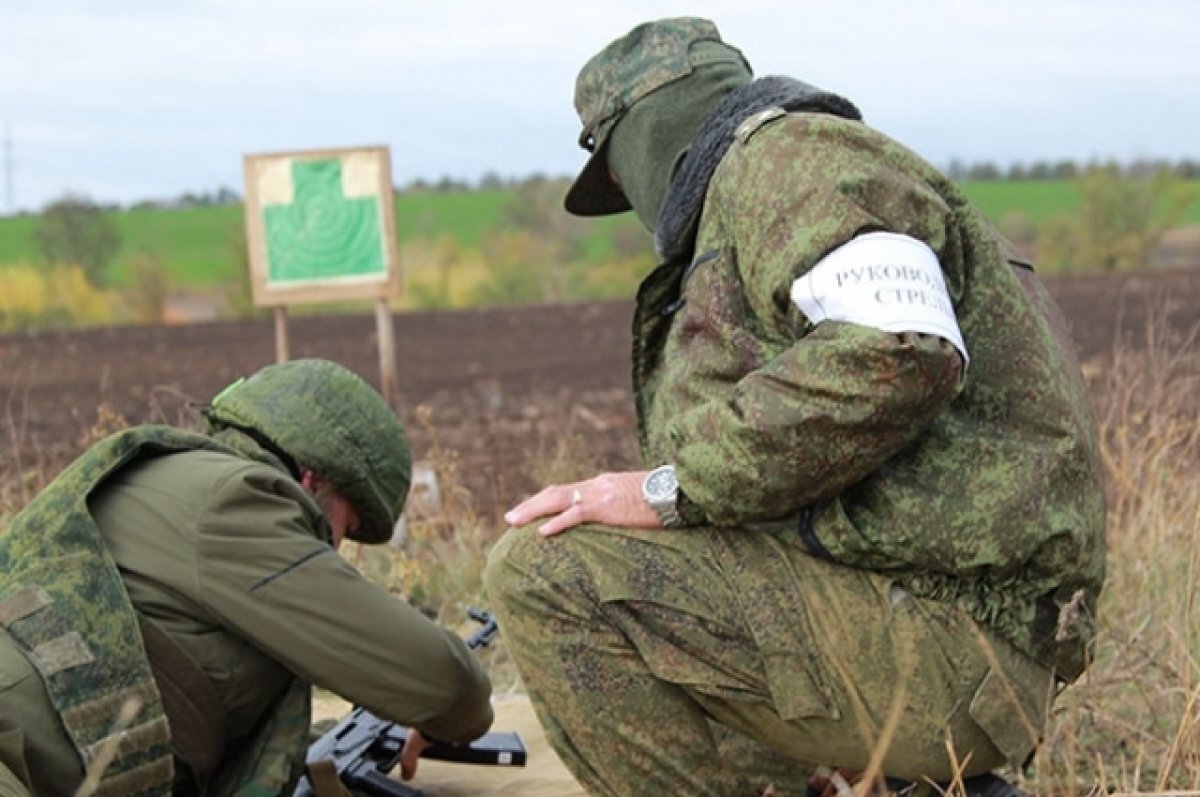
(868, 523)
(212, 539)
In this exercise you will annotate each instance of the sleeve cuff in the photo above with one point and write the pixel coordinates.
(690, 511)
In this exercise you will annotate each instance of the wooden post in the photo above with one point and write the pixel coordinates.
(387, 352)
(281, 337)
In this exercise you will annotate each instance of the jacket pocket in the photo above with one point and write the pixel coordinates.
(1011, 702)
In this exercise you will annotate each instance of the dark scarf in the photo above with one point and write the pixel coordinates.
(675, 232)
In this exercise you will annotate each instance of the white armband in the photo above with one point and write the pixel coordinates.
(883, 280)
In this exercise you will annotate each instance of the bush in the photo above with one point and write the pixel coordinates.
(148, 288)
(1120, 221)
(55, 298)
(74, 230)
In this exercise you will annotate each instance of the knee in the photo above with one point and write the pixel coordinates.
(531, 577)
(512, 564)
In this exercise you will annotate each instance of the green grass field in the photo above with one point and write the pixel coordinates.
(200, 246)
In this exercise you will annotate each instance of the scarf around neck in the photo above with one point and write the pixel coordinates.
(675, 231)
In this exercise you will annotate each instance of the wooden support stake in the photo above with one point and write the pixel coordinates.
(281, 336)
(387, 352)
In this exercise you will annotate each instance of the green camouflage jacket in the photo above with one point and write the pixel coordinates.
(874, 449)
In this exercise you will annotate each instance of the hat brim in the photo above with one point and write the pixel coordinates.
(594, 193)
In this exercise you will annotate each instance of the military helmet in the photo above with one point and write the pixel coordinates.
(327, 418)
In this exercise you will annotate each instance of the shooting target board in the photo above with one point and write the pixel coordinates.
(320, 225)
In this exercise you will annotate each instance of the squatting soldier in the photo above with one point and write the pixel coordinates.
(875, 518)
(192, 579)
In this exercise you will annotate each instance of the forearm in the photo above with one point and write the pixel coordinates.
(267, 579)
(816, 419)
(468, 717)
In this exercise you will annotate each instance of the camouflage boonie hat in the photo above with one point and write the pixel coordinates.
(328, 419)
(642, 61)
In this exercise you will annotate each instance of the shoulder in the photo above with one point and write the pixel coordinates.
(813, 164)
(203, 471)
(206, 483)
(803, 143)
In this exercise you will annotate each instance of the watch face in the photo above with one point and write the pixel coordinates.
(662, 484)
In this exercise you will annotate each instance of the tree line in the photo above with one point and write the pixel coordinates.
(986, 171)
(534, 252)
(958, 170)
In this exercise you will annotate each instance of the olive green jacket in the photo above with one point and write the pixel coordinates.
(225, 551)
(874, 449)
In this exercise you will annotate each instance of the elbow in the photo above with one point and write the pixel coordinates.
(469, 714)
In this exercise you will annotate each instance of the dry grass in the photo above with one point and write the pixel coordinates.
(1130, 725)
(439, 565)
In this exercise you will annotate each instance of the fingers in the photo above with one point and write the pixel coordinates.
(573, 516)
(611, 498)
(553, 500)
(414, 745)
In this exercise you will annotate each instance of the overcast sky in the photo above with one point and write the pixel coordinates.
(134, 99)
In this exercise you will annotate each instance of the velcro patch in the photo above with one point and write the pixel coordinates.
(61, 653)
(21, 604)
(136, 739)
(883, 280)
(101, 710)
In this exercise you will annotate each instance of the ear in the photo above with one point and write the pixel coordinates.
(310, 480)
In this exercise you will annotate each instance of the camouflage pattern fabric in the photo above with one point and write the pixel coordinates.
(647, 59)
(983, 491)
(272, 763)
(636, 65)
(631, 643)
(63, 603)
(871, 526)
(329, 419)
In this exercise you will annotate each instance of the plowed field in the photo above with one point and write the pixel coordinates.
(506, 389)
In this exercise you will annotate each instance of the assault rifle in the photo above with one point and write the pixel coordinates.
(364, 748)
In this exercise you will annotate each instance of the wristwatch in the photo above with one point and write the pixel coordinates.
(661, 491)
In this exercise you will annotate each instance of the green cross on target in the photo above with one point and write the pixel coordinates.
(323, 233)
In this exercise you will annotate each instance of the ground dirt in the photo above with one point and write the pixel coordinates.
(507, 390)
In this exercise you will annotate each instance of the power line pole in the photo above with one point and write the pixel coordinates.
(8, 169)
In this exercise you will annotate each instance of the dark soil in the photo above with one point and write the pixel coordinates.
(505, 388)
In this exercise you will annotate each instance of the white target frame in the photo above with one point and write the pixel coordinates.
(314, 267)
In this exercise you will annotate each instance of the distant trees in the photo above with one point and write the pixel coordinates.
(1120, 221)
(540, 252)
(986, 171)
(534, 252)
(74, 230)
(223, 195)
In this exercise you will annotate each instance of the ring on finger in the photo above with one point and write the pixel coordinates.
(576, 497)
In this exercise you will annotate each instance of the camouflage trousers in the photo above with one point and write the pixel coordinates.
(718, 662)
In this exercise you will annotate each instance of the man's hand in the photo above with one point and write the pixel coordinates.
(612, 498)
(414, 745)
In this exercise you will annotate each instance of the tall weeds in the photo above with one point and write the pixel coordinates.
(1132, 724)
